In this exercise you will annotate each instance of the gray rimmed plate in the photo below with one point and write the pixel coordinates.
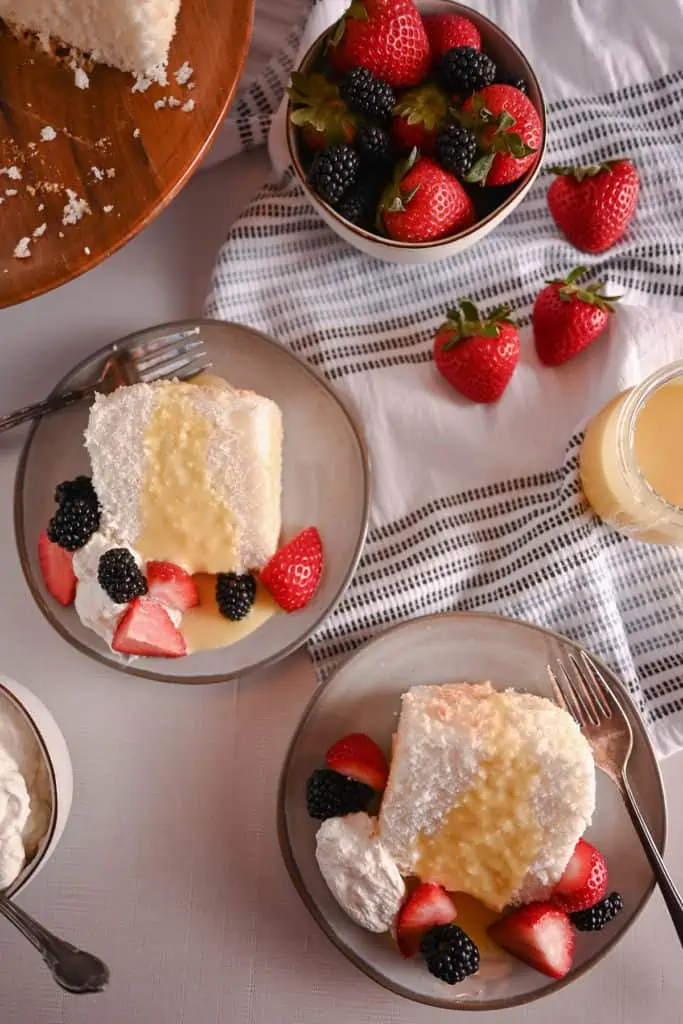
(364, 696)
(326, 483)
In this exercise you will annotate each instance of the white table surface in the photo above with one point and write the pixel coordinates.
(169, 867)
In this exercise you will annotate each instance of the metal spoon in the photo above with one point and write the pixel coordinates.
(73, 969)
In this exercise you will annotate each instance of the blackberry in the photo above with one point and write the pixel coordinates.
(73, 524)
(81, 487)
(449, 953)
(374, 146)
(119, 576)
(334, 171)
(595, 918)
(331, 795)
(513, 80)
(235, 594)
(456, 149)
(367, 95)
(360, 203)
(464, 69)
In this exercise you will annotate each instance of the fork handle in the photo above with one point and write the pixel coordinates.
(671, 895)
(50, 404)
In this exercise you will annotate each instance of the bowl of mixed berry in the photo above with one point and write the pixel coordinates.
(415, 128)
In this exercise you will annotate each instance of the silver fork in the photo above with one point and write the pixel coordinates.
(178, 355)
(585, 693)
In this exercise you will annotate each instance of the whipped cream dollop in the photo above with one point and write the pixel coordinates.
(93, 605)
(360, 873)
(25, 802)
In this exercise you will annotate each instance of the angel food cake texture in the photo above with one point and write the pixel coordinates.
(133, 35)
(488, 791)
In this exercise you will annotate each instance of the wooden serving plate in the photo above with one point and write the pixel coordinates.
(113, 147)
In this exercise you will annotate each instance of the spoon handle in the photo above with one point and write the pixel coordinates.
(73, 969)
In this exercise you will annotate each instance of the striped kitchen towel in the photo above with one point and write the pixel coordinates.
(480, 507)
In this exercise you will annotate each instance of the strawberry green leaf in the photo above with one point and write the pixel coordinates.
(574, 275)
(581, 173)
(469, 310)
(479, 171)
(505, 121)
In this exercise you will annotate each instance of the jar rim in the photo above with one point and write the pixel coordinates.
(626, 428)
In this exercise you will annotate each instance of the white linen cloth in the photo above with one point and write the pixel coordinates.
(480, 507)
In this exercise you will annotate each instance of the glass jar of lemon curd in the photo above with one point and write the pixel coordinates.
(632, 459)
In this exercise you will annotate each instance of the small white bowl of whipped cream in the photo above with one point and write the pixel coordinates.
(36, 785)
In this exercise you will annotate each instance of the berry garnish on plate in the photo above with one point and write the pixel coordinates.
(56, 565)
(375, 147)
(171, 585)
(367, 95)
(81, 487)
(319, 111)
(593, 205)
(427, 906)
(74, 523)
(449, 953)
(477, 354)
(540, 935)
(508, 130)
(334, 171)
(292, 576)
(385, 36)
(358, 757)
(568, 316)
(147, 630)
(584, 881)
(456, 149)
(465, 70)
(446, 31)
(423, 202)
(331, 795)
(119, 576)
(419, 116)
(595, 918)
(235, 594)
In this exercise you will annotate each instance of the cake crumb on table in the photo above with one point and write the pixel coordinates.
(11, 192)
(41, 207)
(173, 102)
(74, 209)
(158, 104)
(187, 107)
(107, 209)
(11, 172)
(183, 74)
(81, 79)
(136, 133)
(39, 231)
(97, 173)
(86, 250)
(47, 134)
(111, 172)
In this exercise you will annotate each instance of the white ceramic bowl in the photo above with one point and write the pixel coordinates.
(505, 52)
(55, 774)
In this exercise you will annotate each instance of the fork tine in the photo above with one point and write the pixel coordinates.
(148, 348)
(557, 690)
(170, 351)
(182, 368)
(588, 692)
(599, 688)
(569, 688)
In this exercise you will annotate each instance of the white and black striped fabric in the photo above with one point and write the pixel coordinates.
(481, 508)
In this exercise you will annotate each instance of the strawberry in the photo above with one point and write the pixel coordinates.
(147, 629)
(385, 36)
(293, 574)
(508, 130)
(56, 565)
(319, 111)
(584, 882)
(171, 585)
(476, 354)
(423, 202)
(540, 935)
(444, 31)
(358, 757)
(426, 907)
(593, 205)
(419, 116)
(567, 317)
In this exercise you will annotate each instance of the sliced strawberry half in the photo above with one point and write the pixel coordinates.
(171, 585)
(427, 906)
(293, 574)
(358, 757)
(540, 935)
(584, 882)
(56, 565)
(147, 629)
